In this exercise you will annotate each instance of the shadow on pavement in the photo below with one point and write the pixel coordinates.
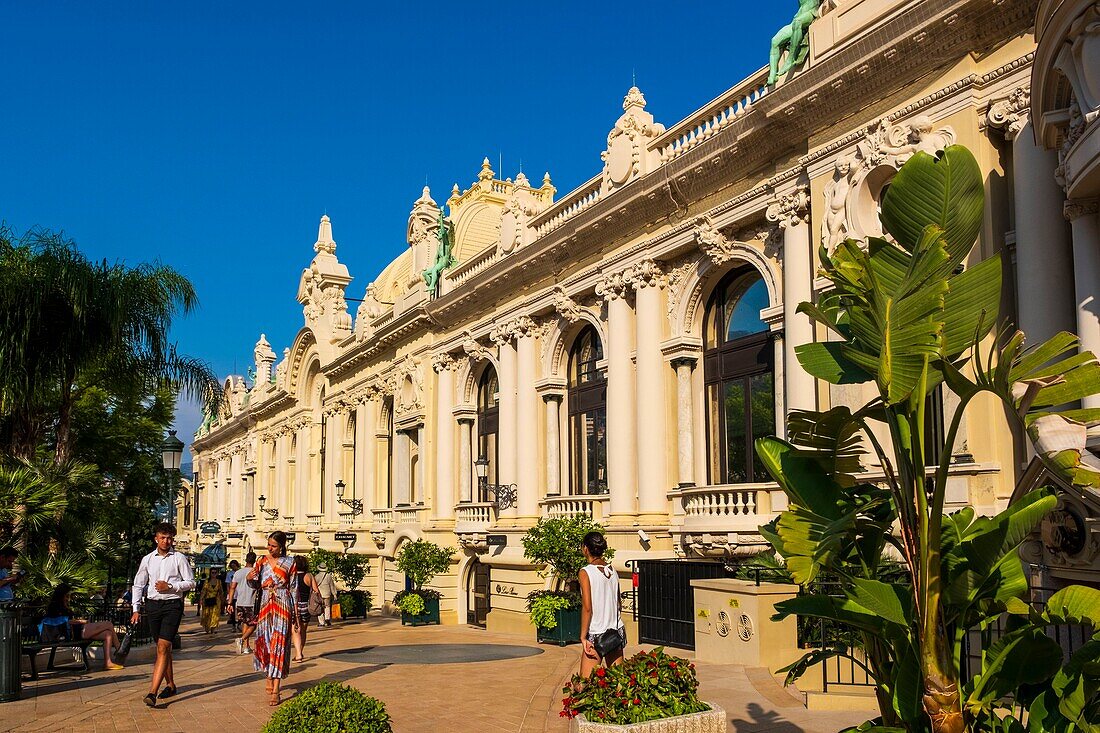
(770, 721)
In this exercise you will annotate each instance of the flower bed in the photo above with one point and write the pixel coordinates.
(652, 691)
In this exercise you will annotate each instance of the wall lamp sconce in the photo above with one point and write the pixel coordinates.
(355, 505)
(272, 514)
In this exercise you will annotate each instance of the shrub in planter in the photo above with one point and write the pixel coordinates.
(330, 708)
(354, 603)
(418, 606)
(555, 543)
(421, 561)
(648, 686)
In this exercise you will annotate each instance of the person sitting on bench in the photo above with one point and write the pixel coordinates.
(59, 624)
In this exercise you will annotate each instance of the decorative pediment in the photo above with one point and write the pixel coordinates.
(627, 155)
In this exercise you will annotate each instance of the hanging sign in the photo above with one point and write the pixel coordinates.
(497, 540)
(290, 537)
(210, 528)
(235, 535)
(345, 536)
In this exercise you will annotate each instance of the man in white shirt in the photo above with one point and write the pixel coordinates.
(242, 600)
(163, 578)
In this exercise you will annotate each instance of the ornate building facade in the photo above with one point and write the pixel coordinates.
(615, 351)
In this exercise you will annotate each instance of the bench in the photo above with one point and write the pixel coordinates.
(33, 646)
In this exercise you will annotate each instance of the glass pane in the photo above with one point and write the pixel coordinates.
(597, 447)
(762, 390)
(589, 452)
(714, 435)
(586, 352)
(749, 296)
(736, 464)
(487, 446)
(714, 316)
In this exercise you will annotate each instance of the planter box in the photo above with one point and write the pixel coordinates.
(708, 721)
(568, 630)
(430, 615)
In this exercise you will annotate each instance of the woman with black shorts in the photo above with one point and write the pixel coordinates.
(307, 584)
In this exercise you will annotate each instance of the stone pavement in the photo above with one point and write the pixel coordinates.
(517, 688)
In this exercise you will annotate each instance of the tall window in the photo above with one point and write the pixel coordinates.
(739, 375)
(587, 415)
(387, 410)
(488, 420)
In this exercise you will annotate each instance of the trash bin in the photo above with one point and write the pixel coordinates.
(11, 649)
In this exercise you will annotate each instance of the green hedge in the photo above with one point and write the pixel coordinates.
(330, 708)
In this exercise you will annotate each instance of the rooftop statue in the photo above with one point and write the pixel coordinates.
(443, 256)
(792, 38)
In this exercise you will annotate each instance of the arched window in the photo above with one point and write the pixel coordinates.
(738, 369)
(587, 415)
(488, 419)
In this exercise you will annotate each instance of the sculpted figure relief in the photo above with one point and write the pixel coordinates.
(443, 256)
(792, 38)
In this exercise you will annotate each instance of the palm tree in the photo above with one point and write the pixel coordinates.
(62, 315)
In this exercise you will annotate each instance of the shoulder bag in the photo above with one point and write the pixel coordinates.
(609, 641)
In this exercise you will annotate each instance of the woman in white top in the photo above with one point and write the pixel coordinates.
(600, 605)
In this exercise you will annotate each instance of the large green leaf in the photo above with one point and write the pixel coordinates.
(946, 190)
(825, 360)
(1077, 687)
(910, 341)
(1024, 656)
(802, 478)
(1076, 604)
(832, 436)
(893, 602)
(832, 609)
(971, 306)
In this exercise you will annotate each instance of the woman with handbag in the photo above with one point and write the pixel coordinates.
(603, 636)
(275, 575)
(309, 604)
(211, 602)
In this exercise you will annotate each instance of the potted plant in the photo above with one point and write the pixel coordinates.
(421, 561)
(350, 570)
(330, 707)
(555, 543)
(643, 692)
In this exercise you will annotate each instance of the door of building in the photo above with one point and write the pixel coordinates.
(477, 593)
(666, 602)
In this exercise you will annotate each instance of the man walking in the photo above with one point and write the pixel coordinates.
(163, 578)
(327, 587)
(242, 599)
(234, 566)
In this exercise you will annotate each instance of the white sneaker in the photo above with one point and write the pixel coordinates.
(240, 646)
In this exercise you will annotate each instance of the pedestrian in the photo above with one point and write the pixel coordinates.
(276, 577)
(307, 586)
(244, 599)
(326, 584)
(603, 635)
(163, 578)
(60, 616)
(231, 613)
(212, 600)
(8, 578)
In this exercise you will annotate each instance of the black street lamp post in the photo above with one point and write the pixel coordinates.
(272, 514)
(504, 495)
(355, 505)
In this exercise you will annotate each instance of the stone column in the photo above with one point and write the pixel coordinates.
(649, 281)
(507, 442)
(302, 482)
(466, 458)
(792, 213)
(364, 456)
(421, 466)
(334, 466)
(622, 425)
(1044, 262)
(233, 505)
(685, 437)
(527, 431)
(1082, 215)
(444, 507)
(553, 442)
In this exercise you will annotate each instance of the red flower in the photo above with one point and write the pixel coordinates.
(672, 665)
(602, 683)
(637, 701)
(601, 672)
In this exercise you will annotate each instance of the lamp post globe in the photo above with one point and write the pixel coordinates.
(171, 452)
(340, 486)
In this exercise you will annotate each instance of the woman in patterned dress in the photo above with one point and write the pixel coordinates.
(277, 613)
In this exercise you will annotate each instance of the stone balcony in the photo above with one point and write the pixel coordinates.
(724, 520)
(593, 505)
(472, 523)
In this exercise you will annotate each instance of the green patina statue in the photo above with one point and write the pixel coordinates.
(443, 256)
(792, 38)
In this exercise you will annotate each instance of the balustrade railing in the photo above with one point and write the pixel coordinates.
(569, 206)
(407, 514)
(480, 261)
(383, 517)
(711, 119)
(573, 506)
(474, 514)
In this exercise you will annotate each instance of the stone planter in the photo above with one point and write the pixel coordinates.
(430, 615)
(568, 630)
(708, 721)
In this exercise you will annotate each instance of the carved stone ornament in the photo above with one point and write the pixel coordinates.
(851, 198)
(569, 309)
(1076, 208)
(627, 155)
(321, 289)
(790, 209)
(264, 357)
(473, 349)
(613, 285)
(1011, 113)
(442, 362)
(407, 385)
(368, 310)
(647, 274)
(712, 242)
(1079, 61)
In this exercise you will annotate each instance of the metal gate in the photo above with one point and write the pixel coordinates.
(665, 604)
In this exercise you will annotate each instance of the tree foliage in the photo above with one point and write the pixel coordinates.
(906, 316)
(555, 542)
(422, 560)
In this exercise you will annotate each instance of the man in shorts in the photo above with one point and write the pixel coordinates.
(242, 598)
(163, 579)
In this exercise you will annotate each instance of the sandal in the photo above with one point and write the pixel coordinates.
(276, 698)
(167, 692)
(150, 700)
(114, 665)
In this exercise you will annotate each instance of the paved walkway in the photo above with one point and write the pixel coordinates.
(517, 688)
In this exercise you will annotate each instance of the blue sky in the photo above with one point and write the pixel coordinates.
(212, 137)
